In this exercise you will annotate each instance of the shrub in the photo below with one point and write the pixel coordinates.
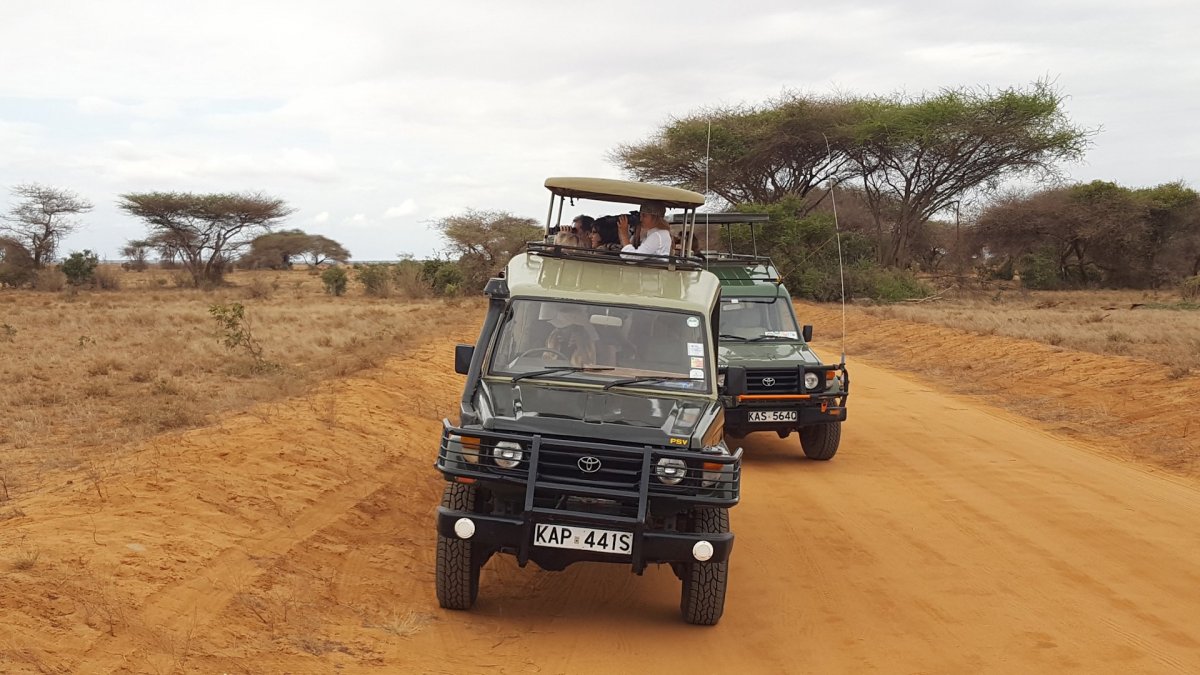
(50, 279)
(866, 279)
(16, 265)
(1040, 271)
(107, 278)
(234, 331)
(260, 288)
(335, 279)
(376, 280)
(80, 267)
(1189, 289)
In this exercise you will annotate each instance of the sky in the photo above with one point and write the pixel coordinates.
(374, 119)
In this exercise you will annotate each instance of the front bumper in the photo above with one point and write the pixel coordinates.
(550, 486)
(515, 535)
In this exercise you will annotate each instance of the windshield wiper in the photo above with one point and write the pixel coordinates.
(560, 369)
(644, 378)
(760, 338)
(733, 337)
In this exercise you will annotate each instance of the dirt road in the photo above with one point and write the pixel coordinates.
(944, 538)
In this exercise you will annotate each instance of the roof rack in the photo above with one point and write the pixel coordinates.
(668, 262)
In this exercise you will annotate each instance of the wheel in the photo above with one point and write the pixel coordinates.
(703, 598)
(820, 441)
(457, 564)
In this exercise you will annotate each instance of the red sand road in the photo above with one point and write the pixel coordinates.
(945, 537)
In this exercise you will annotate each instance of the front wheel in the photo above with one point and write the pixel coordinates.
(820, 441)
(703, 599)
(457, 564)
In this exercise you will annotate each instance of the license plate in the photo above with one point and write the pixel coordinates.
(773, 416)
(582, 538)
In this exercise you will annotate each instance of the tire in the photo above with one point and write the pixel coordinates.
(820, 441)
(457, 564)
(703, 598)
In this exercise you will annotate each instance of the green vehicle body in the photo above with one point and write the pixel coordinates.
(624, 447)
(776, 358)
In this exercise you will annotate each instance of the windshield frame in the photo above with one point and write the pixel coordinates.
(597, 379)
(759, 300)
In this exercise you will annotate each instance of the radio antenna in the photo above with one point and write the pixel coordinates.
(837, 232)
(707, 159)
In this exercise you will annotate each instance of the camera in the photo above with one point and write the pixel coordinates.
(635, 218)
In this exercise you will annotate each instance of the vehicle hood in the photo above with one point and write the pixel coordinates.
(765, 354)
(529, 407)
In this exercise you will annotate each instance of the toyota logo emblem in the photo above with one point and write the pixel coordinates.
(588, 464)
(768, 382)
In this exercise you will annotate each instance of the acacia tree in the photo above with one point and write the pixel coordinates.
(322, 249)
(136, 251)
(207, 230)
(790, 147)
(41, 218)
(276, 250)
(916, 156)
(485, 240)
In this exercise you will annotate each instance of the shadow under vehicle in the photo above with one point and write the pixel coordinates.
(786, 388)
(591, 427)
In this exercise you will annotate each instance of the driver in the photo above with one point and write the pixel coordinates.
(573, 336)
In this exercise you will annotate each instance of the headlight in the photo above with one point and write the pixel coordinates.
(670, 471)
(720, 379)
(812, 381)
(507, 454)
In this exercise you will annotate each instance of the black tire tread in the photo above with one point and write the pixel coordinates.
(457, 570)
(820, 441)
(702, 601)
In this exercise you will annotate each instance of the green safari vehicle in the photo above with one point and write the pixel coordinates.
(786, 387)
(591, 427)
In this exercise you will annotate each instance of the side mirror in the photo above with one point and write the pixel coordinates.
(806, 332)
(735, 381)
(462, 358)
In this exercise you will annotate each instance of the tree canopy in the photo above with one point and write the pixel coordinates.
(788, 147)
(277, 250)
(42, 216)
(917, 156)
(1096, 233)
(485, 240)
(910, 157)
(207, 230)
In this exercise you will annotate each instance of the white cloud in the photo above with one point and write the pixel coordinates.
(473, 104)
(407, 207)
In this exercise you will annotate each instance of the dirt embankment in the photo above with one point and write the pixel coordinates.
(1135, 410)
(946, 537)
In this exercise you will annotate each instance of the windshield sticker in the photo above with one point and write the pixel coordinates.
(697, 374)
(735, 301)
(697, 361)
(781, 333)
(693, 322)
(695, 349)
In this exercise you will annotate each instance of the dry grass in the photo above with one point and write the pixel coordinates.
(89, 372)
(1143, 325)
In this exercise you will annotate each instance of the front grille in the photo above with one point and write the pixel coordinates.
(566, 464)
(773, 381)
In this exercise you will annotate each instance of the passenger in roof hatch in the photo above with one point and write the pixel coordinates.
(654, 234)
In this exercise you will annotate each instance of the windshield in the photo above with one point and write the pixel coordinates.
(602, 344)
(753, 319)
